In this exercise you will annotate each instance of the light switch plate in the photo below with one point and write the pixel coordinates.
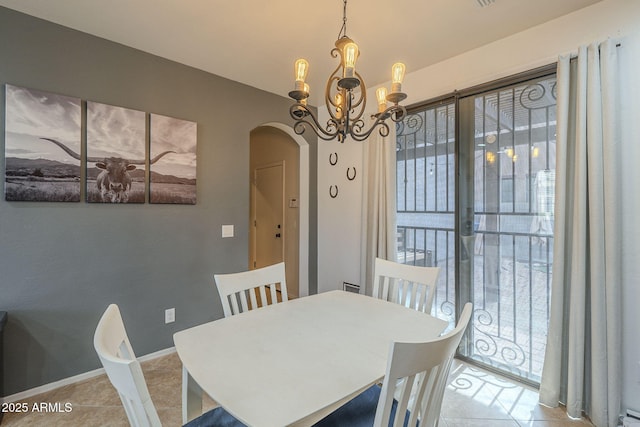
(227, 231)
(170, 315)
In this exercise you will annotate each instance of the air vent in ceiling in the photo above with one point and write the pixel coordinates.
(485, 3)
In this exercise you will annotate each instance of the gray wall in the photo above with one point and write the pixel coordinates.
(61, 264)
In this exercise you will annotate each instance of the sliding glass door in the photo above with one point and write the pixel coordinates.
(425, 159)
(475, 197)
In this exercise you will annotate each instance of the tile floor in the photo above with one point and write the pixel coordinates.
(473, 398)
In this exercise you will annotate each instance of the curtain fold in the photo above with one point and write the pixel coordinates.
(582, 361)
(378, 203)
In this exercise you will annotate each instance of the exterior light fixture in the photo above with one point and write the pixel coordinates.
(346, 96)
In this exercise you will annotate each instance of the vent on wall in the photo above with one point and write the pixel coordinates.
(485, 3)
(351, 287)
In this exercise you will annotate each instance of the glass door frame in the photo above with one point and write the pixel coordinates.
(464, 214)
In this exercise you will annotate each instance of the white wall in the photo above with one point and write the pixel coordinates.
(339, 218)
(338, 222)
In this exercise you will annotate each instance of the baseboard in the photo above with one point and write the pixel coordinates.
(76, 378)
(157, 354)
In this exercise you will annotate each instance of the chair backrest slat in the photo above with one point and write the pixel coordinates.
(422, 304)
(255, 283)
(410, 285)
(274, 292)
(234, 303)
(403, 401)
(263, 295)
(253, 293)
(385, 289)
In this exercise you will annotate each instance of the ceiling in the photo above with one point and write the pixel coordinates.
(256, 42)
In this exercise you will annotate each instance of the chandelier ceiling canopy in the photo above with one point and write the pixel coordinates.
(346, 96)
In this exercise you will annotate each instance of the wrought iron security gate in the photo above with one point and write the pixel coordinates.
(479, 188)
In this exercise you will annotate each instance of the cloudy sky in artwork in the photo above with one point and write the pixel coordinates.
(112, 131)
(31, 115)
(180, 136)
(115, 132)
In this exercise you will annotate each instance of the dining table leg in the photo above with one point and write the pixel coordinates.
(191, 397)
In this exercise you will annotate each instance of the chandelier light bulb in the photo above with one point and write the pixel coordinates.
(301, 68)
(381, 95)
(397, 76)
(350, 55)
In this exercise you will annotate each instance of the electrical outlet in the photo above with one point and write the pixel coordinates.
(170, 315)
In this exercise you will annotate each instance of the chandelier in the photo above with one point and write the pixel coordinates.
(346, 96)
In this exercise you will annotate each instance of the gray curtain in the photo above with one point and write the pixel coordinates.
(378, 203)
(582, 366)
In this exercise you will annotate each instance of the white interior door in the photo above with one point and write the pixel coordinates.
(268, 220)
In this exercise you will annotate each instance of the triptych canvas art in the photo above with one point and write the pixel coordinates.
(44, 161)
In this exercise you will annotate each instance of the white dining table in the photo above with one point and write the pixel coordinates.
(295, 362)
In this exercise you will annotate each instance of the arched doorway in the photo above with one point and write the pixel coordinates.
(270, 144)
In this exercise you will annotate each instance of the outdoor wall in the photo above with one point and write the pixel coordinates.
(61, 264)
(540, 45)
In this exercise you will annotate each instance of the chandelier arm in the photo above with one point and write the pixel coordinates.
(302, 124)
(334, 77)
(300, 113)
(331, 105)
(384, 131)
(356, 108)
(363, 96)
(396, 113)
(357, 126)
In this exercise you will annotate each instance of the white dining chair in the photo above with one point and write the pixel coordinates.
(418, 369)
(125, 373)
(410, 285)
(234, 288)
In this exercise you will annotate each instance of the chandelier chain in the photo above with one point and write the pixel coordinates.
(343, 29)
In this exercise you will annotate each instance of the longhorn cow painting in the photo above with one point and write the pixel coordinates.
(43, 151)
(36, 169)
(173, 178)
(116, 154)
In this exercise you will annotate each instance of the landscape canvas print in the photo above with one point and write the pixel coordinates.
(173, 176)
(42, 146)
(115, 154)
